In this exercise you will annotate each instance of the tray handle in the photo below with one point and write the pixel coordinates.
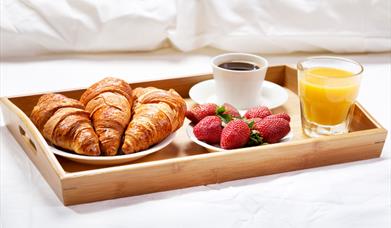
(27, 139)
(24, 131)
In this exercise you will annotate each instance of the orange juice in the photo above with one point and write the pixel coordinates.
(327, 94)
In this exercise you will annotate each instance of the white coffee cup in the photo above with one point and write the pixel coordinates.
(241, 88)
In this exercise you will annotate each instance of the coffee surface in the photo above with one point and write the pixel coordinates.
(239, 66)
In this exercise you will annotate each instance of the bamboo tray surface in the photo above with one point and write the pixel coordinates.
(184, 163)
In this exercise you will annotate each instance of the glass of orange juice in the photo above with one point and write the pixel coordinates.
(328, 87)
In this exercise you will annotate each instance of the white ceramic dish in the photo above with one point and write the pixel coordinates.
(239, 88)
(272, 94)
(214, 148)
(113, 160)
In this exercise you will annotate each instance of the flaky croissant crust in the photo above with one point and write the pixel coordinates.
(177, 104)
(64, 123)
(108, 84)
(109, 103)
(48, 104)
(157, 113)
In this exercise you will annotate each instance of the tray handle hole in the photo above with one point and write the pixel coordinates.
(22, 131)
(33, 145)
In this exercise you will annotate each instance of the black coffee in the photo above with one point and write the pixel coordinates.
(239, 66)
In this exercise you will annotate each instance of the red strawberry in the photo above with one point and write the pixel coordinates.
(200, 111)
(280, 115)
(236, 134)
(255, 120)
(272, 130)
(258, 112)
(231, 110)
(209, 130)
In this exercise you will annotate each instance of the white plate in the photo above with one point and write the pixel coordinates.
(112, 160)
(214, 148)
(272, 94)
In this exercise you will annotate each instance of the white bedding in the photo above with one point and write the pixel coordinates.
(30, 27)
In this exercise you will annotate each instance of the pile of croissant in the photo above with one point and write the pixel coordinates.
(110, 118)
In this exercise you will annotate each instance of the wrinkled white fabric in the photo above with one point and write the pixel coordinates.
(30, 27)
(284, 26)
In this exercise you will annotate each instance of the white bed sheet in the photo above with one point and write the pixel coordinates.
(348, 195)
(30, 27)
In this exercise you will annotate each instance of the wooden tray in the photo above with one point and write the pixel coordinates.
(184, 163)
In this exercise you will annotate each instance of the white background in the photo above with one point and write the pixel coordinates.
(347, 195)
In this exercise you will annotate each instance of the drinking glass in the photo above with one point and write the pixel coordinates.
(328, 88)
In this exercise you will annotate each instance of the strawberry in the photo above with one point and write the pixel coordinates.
(227, 112)
(280, 115)
(231, 110)
(200, 111)
(258, 112)
(208, 130)
(254, 120)
(272, 130)
(236, 134)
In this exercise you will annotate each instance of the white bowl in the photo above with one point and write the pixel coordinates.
(112, 160)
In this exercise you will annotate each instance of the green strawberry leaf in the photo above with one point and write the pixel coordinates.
(224, 117)
(220, 110)
(255, 139)
(251, 124)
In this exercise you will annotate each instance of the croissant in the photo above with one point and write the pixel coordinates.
(109, 103)
(64, 122)
(156, 114)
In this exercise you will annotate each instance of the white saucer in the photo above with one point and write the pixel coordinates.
(272, 94)
(112, 160)
(215, 148)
